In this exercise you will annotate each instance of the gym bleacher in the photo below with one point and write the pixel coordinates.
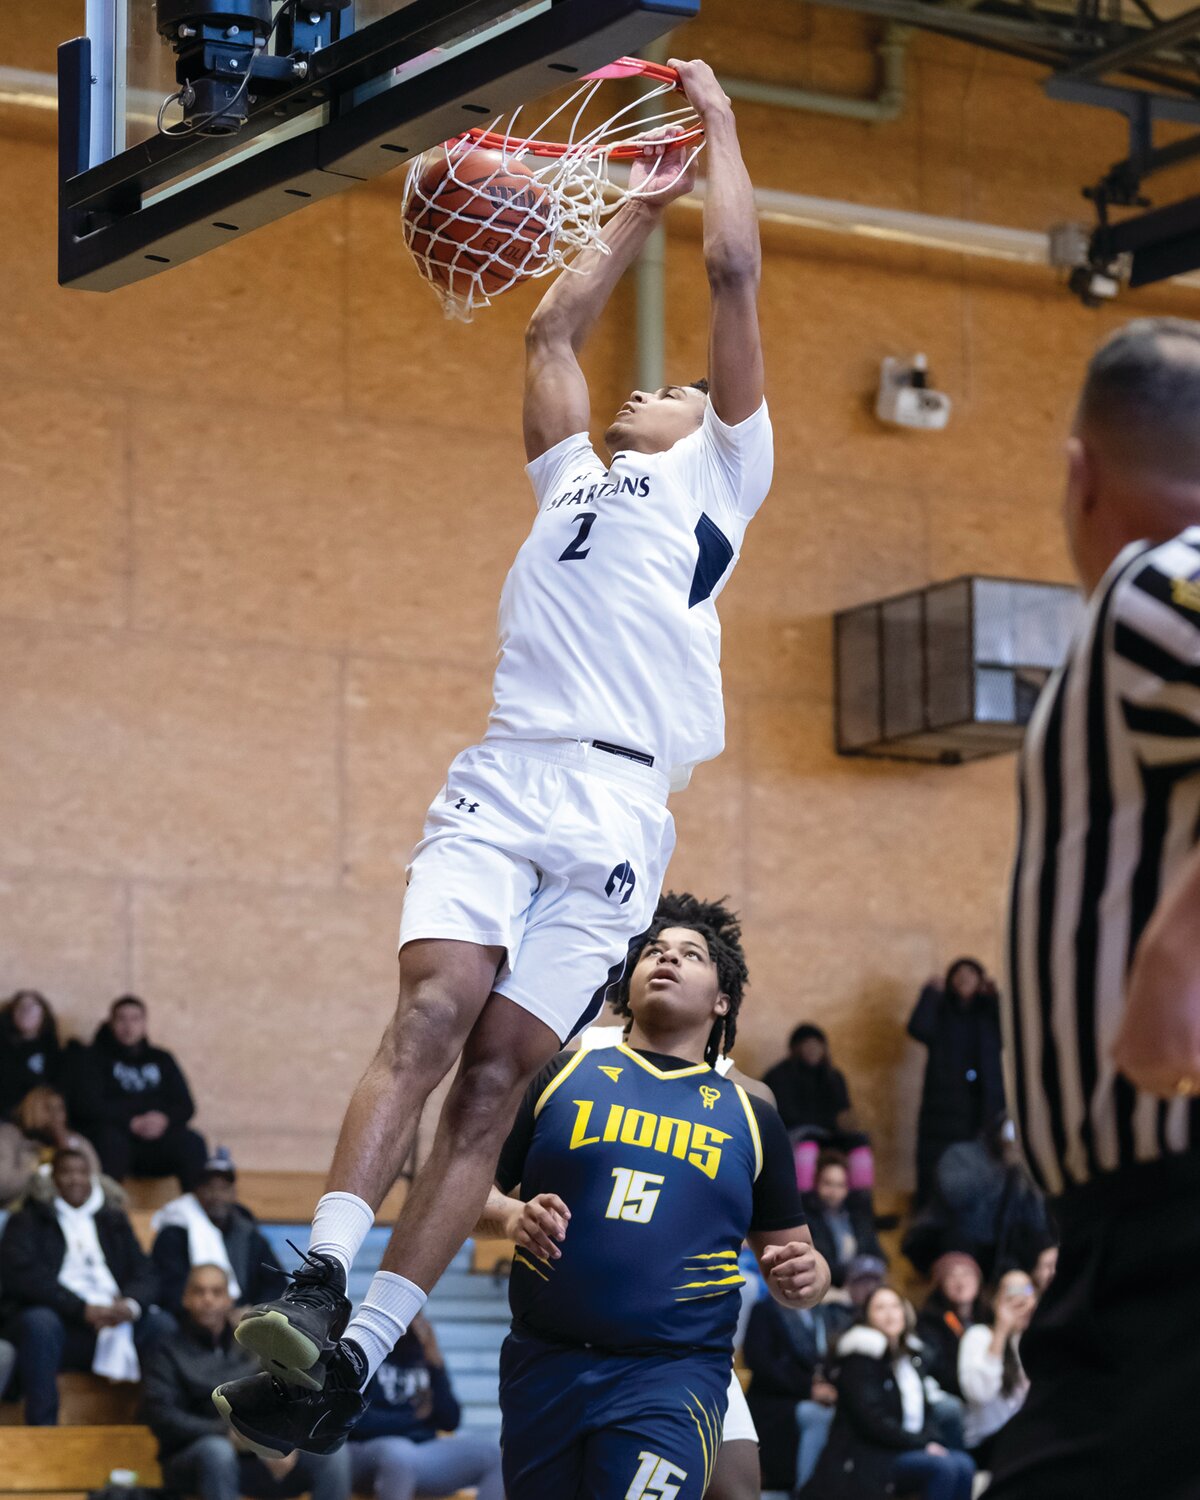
(99, 1431)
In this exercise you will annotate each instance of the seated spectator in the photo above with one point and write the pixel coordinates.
(788, 1352)
(993, 1381)
(30, 1053)
(210, 1227)
(814, 1103)
(953, 1306)
(985, 1203)
(199, 1453)
(30, 1142)
(133, 1101)
(883, 1439)
(958, 1021)
(77, 1288)
(841, 1221)
(397, 1450)
(1045, 1268)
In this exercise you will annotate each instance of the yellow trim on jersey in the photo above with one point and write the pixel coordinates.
(667, 1073)
(715, 1255)
(753, 1123)
(520, 1258)
(738, 1280)
(556, 1080)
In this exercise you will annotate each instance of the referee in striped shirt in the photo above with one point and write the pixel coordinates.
(1102, 1024)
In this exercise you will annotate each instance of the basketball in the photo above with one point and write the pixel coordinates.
(477, 216)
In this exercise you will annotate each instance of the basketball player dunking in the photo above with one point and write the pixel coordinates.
(543, 856)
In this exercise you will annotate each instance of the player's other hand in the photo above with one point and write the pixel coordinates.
(699, 83)
(663, 172)
(541, 1226)
(795, 1273)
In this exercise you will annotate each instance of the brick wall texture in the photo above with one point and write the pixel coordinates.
(255, 515)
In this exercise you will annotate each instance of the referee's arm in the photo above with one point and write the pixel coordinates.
(1158, 1046)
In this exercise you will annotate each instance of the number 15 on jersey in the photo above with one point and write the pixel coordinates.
(634, 1195)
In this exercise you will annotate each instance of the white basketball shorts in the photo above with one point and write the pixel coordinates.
(552, 850)
(739, 1424)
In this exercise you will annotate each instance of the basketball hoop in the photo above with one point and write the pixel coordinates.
(494, 207)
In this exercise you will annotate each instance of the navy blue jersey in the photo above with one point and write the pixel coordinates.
(660, 1163)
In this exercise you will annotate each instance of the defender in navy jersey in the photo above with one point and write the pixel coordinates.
(1102, 1013)
(543, 856)
(641, 1172)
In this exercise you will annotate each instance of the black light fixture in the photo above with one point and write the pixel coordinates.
(950, 672)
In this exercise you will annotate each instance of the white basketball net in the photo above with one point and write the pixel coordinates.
(580, 191)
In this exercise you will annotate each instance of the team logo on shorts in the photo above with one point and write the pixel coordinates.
(621, 883)
(462, 805)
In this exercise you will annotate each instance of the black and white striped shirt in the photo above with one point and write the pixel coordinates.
(1109, 808)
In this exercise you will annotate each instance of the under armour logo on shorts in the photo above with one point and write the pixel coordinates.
(462, 805)
(621, 882)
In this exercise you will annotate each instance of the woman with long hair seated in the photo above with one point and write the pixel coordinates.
(883, 1439)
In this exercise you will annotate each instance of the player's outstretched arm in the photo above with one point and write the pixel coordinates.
(732, 254)
(795, 1273)
(556, 393)
(1158, 1046)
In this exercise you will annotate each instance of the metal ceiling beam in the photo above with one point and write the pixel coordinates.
(968, 24)
(1153, 40)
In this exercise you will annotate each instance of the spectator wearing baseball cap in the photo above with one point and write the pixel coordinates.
(209, 1227)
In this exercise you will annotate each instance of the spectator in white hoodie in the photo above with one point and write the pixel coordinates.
(990, 1374)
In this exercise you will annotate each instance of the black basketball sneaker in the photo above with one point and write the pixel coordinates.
(294, 1336)
(275, 1418)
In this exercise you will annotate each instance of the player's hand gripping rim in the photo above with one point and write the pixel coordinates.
(541, 1226)
(796, 1272)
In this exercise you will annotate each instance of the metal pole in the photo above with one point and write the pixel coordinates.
(650, 287)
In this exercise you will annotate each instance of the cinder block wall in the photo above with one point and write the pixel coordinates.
(254, 519)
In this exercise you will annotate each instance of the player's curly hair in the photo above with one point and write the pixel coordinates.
(722, 932)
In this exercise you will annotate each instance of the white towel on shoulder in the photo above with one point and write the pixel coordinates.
(206, 1243)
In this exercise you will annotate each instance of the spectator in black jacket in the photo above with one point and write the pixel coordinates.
(405, 1444)
(210, 1227)
(954, 1305)
(883, 1439)
(132, 1101)
(984, 1202)
(199, 1453)
(30, 1053)
(789, 1352)
(78, 1289)
(814, 1103)
(842, 1223)
(959, 1022)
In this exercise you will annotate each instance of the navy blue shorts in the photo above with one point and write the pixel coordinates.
(584, 1425)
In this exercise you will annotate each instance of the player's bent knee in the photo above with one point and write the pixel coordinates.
(484, 1098)
(425, 1034)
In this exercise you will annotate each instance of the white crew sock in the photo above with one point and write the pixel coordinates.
(339, 1227)
(389, 1307)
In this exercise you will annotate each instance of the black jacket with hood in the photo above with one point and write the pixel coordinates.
(868, 1432)
(110, 1084)
(31, 1256)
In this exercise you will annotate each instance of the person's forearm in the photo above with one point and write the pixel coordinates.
(1158, 1047)
(731, 244)
(577, 297)
(499, 1213)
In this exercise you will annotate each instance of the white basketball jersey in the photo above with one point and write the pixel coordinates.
(608, 619)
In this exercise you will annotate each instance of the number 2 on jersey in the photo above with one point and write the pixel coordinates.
(634, 1195)
(576, 552)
